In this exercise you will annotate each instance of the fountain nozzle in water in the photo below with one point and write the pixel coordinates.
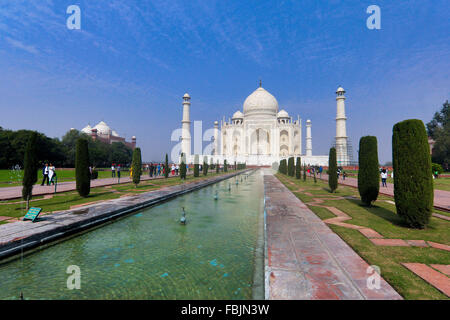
(216, 196)
(229, 187)
(183, 218)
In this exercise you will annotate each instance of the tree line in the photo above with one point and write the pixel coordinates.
(60, 153)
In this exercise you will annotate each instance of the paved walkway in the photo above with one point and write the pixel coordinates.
(305, 258)
(8, 193)
(441, 197)
(438, 279)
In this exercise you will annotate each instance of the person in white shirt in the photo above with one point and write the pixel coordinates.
(51, 174)
(113, 171)
(384, 176)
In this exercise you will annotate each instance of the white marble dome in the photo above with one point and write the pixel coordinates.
(103, 128)
(238, 115)
(260, 102)
(283, 114)
(87, 129)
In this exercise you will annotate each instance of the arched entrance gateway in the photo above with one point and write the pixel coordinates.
(260, 142)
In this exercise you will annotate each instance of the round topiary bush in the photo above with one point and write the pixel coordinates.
(413, 183)
(368, 173)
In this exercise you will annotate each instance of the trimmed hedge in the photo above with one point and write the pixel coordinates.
(332, 170)
(166, 167)
(298, 168)
(413, 183)
(196, 166)
(30, 168)
(82, 174)
(136, 165)
(283, 166)
(205, 166)
(368, 173)
(291, 167)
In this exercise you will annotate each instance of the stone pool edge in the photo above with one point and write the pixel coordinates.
(22, 238)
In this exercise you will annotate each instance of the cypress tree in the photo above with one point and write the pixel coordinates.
(283, 167)
(166, 166)
(217, 167)
(30, 168)
(368, 173)
(225, 166)
(298, 168)
(83, 177)
(291, 167)
(183, 170)
(332, 170)
(205, 166)
(304, 172)
(413, 183)
(136, 165)
(196, 166)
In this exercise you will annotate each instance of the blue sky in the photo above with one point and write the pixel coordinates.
(132, 61)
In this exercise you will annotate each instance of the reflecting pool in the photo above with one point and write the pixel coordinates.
(150, 255)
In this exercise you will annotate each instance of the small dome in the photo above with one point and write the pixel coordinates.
(261, 102)
(283, 114)
(238, 115)
(114, 133)
(133, 138)
(340, 89)
(308, 121)
(216, 122)
(103, 128)
(87, 129)
(186, 95)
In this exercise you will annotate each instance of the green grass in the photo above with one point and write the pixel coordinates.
(382, 218)
(9, 178)
(64, 200)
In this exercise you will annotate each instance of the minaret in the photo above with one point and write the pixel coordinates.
(308, 138)
(341, 128)
(216, 138)
(186, 127)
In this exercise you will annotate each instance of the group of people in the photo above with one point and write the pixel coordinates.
(115, 169)
(159, 169)
(314, 169)
(48, 174)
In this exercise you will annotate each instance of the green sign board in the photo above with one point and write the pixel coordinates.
(32, 214)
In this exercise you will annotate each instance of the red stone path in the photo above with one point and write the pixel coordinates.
(439, 280)
(441, 197)
(305, 258)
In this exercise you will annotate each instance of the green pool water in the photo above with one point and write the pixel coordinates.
(149, 255)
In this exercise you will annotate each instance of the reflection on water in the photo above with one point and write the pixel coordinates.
(149, 255)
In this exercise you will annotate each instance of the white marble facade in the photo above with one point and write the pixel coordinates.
(260, 135)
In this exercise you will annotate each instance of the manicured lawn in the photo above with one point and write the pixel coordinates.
(9, 178)
(382, 218)
(64, 200)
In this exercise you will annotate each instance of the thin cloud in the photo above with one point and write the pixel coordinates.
(19, 45)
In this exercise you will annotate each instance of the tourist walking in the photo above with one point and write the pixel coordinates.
(177, 169)
(344, 174)
(51, 174)
(118, 171)
(320, 172)
(159, 169)
(173, 169)
(384, 176)
(113, 170)
(150, 170)
(45, 175)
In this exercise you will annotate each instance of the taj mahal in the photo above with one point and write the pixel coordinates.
(261, 134)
